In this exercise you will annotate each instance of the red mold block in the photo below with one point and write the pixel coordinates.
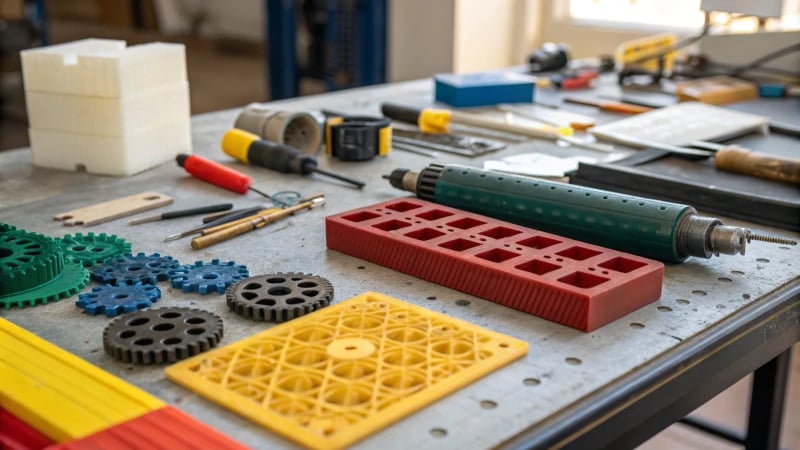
(163, 429)
(570, 282)
(17, 435)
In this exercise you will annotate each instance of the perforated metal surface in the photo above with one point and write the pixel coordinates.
(571, 364)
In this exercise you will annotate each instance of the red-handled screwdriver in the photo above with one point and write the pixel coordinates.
(217, 174)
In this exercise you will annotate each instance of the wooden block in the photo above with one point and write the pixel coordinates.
(719, 90)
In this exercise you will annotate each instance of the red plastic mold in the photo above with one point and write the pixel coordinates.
(163, 429)
(570, 282)
(17, 435)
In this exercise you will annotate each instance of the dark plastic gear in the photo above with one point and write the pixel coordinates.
(27, 260)
(91, 249)
(130, 269)
(206, 278)
(279, 297)
(115, 300)
(69, 282)
(161, 335)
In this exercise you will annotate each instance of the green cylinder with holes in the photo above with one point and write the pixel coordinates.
(640, 226)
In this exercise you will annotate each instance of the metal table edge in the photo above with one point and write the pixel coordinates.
(749, 333)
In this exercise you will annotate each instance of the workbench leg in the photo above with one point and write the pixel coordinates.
(767, 394)
(281, 48)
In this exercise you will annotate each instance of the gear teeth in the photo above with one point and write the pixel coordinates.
(128, 269)
(206, 278)
(115, 300)
(161, 335)
(279, 297)
(92, 249)
(6, 227)
(33, 270)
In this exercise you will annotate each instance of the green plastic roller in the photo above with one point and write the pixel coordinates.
(666, 231)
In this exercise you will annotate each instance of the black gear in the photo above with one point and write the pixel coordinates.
(279, 297)
(161, 335)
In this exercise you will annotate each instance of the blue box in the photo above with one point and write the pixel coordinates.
(483, 89)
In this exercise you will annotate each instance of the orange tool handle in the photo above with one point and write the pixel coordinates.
(623, 108)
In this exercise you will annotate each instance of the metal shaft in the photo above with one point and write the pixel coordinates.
(356, 183)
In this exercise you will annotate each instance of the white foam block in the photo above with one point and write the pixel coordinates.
(108, 116)
(102, 67)
(133, 153)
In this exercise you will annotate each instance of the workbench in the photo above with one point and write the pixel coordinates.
(716, 321)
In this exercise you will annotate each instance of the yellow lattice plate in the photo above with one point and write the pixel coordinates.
(331, 378)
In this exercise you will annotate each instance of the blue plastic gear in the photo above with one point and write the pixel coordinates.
(206, 278)
(115, 300)
(130, 269)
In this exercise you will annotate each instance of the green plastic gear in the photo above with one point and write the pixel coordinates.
(27, 260)
(91, 249)
(66, 284)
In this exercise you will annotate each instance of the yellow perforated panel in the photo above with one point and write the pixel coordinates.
(333, 377)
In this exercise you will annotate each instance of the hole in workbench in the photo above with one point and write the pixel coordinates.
(578, 253)
(465, 223)
(402, 206)
(435, 214)
(425, 234)
(762, 260)
(391, 225)
(737, 272)
(636, 325)
(724, 280)
(583, 280)
(621, 264)
(431, 298)
(538, 242)
(500, 232)
(462, 302)
(488, 404)
(745, 296)
(682, 301)
(538, 267)
(360, 267)
(438, 432)
(497, 255)
(459, 245)
(531, 382)
(700, 293)
(664, 308)
(573, 361)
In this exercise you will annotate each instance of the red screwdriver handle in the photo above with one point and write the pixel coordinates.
(214, 173)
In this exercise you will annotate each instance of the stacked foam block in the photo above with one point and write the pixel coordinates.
(100, 106)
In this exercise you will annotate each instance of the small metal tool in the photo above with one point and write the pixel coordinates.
(183, 213)
(225, 219)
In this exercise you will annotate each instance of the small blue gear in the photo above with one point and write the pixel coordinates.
(130, 269)
(206, 278)
(115, 300)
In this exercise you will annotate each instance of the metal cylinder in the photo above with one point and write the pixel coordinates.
(298, 129)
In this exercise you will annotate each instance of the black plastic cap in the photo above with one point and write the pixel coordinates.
(181, 158)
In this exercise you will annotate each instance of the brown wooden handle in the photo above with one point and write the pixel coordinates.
(760, 165)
